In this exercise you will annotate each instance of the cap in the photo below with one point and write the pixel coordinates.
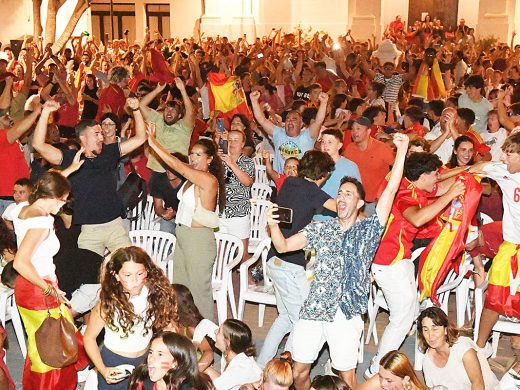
(363, 121)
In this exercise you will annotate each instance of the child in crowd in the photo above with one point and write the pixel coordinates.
(290, 168)
(495, 135)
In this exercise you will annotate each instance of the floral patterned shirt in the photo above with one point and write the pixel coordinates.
(341, 272)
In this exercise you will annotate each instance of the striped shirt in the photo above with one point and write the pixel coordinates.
(392, 86)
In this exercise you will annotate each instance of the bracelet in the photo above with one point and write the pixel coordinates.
(47, 290)
(135, 109)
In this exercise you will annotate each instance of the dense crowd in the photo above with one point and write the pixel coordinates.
(376, 149)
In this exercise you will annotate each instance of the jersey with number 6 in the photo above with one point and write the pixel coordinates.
(510, 185)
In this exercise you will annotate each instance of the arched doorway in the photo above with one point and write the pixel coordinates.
(445, 10)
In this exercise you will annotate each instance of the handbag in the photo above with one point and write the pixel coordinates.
(132, 192)
(201, 215)
(56, 341)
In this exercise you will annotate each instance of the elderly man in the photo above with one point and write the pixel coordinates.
(97, 207)
(294, 140)
(372, 157)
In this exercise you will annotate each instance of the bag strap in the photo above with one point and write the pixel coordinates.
(46, 299)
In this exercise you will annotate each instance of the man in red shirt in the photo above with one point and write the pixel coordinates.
(393, 269)
(112, 98)
(372, 157)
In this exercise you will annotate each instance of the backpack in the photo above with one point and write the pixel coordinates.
(132, 192)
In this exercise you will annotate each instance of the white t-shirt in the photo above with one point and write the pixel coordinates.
(446, 149)
(495, 141)
(453, 375)
(7, 214)
(242, 370)
(510, 185)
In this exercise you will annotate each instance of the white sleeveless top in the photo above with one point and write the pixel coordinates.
(42, 257)
(186, 207)
(136, 340)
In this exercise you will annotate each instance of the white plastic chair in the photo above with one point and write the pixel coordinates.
(261, 191)
(503, 324)
(258, 223)
(261, 175)
(147, 219)
(229, 254)
(263, 295)
(159, 245)
(9, 311)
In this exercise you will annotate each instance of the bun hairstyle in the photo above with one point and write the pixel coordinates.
(239, 337)
(52, 185)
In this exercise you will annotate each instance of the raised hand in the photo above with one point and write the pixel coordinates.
(179, 84)
(401, 141)
(133, 103)
(255, 95)
(51, 106)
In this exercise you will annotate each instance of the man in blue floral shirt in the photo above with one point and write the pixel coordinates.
(338, 294)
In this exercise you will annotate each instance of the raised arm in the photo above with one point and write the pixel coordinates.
(384, 204)
(282, 244)
(48, 152)
(189, 117)
(267, 125)
(147, 99)
(6, 96)
(21, 127)
(138, 139)
(315, 127)
(205, 180)
(502, 113)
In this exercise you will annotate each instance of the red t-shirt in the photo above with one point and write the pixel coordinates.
(279, 182)
(12, 163)
(68, 115)
(114, 97)
(417, 129)
(396, 243)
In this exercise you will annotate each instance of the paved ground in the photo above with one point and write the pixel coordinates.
(504, 357)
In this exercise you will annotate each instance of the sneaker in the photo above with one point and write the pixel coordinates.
(370, 372)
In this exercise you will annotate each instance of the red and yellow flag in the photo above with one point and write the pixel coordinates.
(429, 83)
(443, 253)
(227, 96)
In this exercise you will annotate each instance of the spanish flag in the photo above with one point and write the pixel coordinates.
(429, 83)
(503, 293)
(443, 253)
(227, 96)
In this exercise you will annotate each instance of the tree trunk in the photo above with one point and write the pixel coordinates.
(50, 22)
(81, 7)
(37, 19)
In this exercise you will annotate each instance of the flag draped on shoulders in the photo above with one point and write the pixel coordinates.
(429, 83)
(227, 96)
(443, 253)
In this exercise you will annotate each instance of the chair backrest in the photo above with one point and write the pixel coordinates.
(263, 248)
(261, 191)
(229, 253)
(147, 219)
(258, 219)
(261, 175)
(159, 245)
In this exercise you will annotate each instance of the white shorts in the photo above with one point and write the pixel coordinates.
(237, 226)
(343, 337)
(85, 298)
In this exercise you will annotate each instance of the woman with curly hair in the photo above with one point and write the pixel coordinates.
(171, 364)
(201, 197)
(136, 300)
(189, 319)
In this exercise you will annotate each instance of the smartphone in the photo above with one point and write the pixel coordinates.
(285, 214)
(260, 55)
(223, 145)
(220, 125)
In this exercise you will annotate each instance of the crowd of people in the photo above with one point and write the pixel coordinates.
(374, 151)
